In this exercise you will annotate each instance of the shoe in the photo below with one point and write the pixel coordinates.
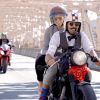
(43, 98)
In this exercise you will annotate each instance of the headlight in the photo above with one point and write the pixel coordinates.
(79, 58)
(2, 53)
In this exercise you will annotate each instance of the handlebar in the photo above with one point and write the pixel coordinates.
(93, 59)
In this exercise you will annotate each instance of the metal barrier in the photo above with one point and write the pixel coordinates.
(27, 52)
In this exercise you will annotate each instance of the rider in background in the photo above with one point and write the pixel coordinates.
(4, 41)
(58, 18)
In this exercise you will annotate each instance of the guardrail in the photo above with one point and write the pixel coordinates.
(27, 52)
(32, 52)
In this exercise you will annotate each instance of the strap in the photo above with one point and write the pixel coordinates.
(78, 41)
(63, 41)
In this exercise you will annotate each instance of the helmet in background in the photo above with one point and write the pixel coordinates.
(3, 36)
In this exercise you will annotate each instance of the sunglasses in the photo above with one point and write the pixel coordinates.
(74, 23)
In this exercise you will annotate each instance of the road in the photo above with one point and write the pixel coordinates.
(96, 83)
(20, 80)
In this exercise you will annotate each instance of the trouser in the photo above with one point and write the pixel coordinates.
(40, 62)
(50, 75)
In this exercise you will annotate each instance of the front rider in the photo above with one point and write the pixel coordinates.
(55, 43)
(57, 17)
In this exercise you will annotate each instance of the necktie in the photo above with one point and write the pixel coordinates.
(71, 37)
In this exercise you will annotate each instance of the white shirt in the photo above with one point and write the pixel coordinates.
(55, 42)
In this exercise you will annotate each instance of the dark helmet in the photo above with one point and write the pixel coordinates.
(57, 10)
(3, 36)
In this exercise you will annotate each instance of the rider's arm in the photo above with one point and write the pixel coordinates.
(54, 43)
(86, 43)
(94, 54)
(49, 59)
(88, 47)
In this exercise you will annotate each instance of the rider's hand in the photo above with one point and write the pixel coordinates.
(51, 62)
(98, 63)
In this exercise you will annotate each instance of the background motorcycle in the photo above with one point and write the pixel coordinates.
(5, 55)
(71, 82)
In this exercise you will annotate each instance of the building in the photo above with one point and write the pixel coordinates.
(24, 21)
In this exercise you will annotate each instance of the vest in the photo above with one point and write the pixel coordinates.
(64, 44)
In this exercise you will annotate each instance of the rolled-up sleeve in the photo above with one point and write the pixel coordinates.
(54, 43)
(86, 43)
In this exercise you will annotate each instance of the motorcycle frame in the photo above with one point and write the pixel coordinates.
(73, 83)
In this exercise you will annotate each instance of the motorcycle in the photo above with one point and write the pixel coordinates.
(71, 82)
(5, 55)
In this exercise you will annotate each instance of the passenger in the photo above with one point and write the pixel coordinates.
(58, 18)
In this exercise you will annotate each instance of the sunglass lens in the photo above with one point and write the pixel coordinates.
(71, 23)
(77, 24)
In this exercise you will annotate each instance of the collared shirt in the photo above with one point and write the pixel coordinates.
(55, 42)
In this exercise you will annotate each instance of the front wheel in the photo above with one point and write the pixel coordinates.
(86, 92)
(4, 65)
(0, 68)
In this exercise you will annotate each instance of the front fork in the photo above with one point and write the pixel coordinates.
(4, 59)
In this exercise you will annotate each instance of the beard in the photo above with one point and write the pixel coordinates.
(72, 31)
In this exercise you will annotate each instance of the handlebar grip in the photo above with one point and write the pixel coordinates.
(94, 59)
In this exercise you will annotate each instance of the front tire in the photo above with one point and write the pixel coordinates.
(0, 68)
(4, 66)
(86, 92)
